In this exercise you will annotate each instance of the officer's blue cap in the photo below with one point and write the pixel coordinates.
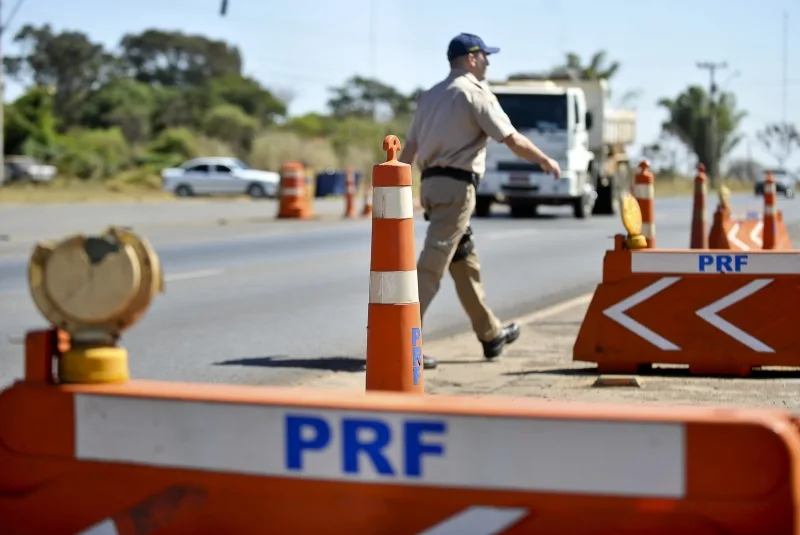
(466, 43)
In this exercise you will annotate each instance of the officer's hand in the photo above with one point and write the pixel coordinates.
(551, 166)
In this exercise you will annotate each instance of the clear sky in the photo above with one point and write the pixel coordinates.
(302, 47)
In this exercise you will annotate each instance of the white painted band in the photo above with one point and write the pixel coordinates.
(290, 192)
(595, 457)
(648, 230)
(769, 209)
(644, 191)
(292, 173)
(393, 287)
(716, 263)
(106, 527)
(769, 188)
(394, 202)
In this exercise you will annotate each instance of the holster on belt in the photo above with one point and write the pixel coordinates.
(465, 246)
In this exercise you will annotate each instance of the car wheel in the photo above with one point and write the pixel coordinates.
(256, 191)
(183, 191)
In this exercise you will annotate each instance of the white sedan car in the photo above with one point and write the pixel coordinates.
(219, 176)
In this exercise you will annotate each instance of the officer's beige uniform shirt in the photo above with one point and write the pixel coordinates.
(453, 122)
(451, 128)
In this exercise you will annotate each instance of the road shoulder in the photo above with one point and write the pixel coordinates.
(539, 365)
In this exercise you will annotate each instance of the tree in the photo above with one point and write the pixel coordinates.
(362, 97)
(175, 59)
(124, 103)
(69, 62)
(574, 68)
(29, 125)
(688, 120)
(744, 169)
(781, 140)
(248, 95)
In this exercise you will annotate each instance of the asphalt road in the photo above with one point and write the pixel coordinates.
(266, 303)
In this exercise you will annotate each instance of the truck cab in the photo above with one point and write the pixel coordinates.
(563, 121)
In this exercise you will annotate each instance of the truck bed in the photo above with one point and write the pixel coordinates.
(619, 127)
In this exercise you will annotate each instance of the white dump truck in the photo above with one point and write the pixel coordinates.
(569, 120)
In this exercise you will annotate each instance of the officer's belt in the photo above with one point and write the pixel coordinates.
(452, 172)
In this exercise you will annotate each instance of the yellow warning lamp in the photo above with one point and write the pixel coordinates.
(632, 220)
(94, 287)
(724, 197)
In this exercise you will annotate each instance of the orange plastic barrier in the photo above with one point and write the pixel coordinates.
(699, 238)
(394, 329)
(179, 459)
(719, 313)
(644, 190)
(294, 199)
(350, 194)
(749, 233)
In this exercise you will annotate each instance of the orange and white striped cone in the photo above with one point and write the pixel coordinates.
(769, 231)
(699, 238)
(644, 191)
(394, 327)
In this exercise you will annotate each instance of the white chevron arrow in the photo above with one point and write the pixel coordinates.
(617, 313)
(710, 312)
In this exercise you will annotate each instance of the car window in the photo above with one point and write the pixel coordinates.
(222, 169)
(202, 168)
(241, 164)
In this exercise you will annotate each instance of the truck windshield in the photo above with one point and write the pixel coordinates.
(540, 112)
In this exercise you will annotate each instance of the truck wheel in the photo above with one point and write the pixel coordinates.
(582, 207)
(483, 206)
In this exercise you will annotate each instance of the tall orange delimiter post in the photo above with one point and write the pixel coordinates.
(769, 232)
(350, 193)
(394, 328)
(644, 189)
(699, 239)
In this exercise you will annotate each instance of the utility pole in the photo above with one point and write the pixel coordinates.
(373, 49)
(712, 163)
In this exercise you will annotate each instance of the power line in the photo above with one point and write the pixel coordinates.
(712, 135)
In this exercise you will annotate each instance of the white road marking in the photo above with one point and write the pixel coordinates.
(193, 275)
(709, 314)
(478, 520)
(617, 313)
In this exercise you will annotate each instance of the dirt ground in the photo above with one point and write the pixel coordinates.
(539, 365)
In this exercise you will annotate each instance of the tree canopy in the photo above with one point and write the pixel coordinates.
(162, 96)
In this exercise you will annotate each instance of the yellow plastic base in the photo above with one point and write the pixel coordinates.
(636, 242)
(94, 365)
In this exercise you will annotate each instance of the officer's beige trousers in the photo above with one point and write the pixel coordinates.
(449, 204)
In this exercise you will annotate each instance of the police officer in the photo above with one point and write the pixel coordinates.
(448, 136)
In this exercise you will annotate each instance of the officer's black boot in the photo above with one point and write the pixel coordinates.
(429, 362)
(494, 348)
